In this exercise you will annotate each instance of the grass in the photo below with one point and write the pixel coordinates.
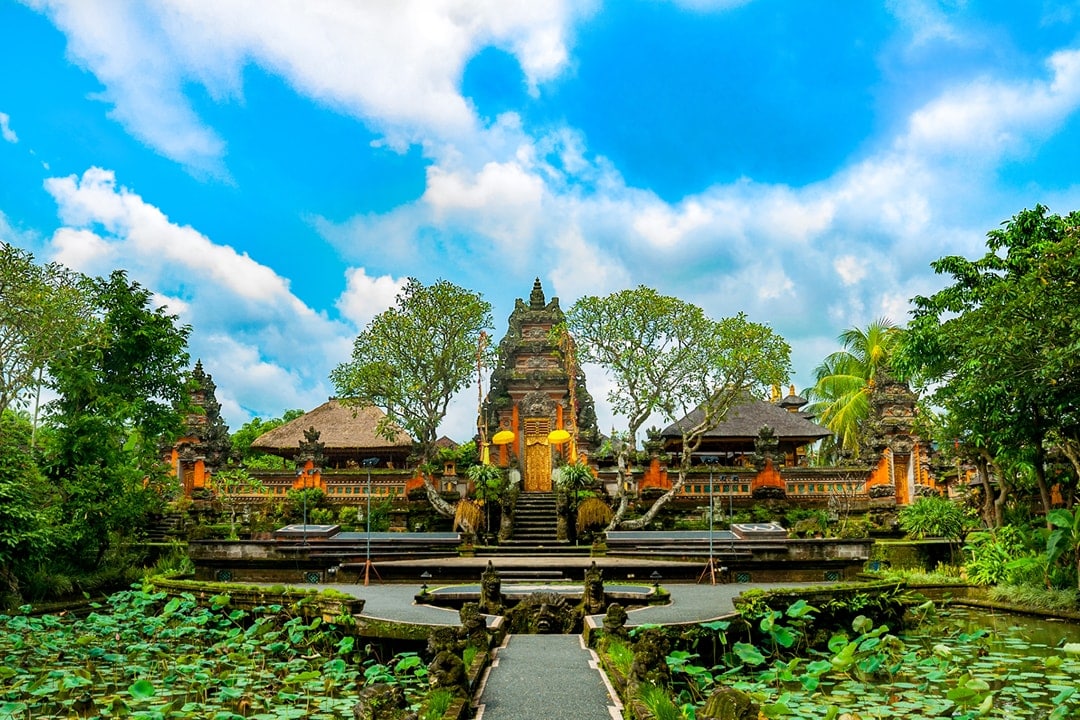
(1037, 597)
(658, 703)
(436, 704)
(620, 654)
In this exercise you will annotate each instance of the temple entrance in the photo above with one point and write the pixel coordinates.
(537, 455)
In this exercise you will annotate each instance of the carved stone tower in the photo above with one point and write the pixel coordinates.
(532, 394)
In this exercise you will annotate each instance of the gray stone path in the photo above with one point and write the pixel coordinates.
(546, 677)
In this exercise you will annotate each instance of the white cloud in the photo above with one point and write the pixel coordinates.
(366, 296)
(850, 269)
(5, 129)
(397, 65)
(148, 234)
(259, 340)
(581, 268)
(993, 117)
(664, 226)
(926, 22)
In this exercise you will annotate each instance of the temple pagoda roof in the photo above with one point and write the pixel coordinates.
(745, 418)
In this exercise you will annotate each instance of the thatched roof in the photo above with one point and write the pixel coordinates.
(745, 418)
(342, 428)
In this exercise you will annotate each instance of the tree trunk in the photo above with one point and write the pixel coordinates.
(1040, 479)
(441, 506)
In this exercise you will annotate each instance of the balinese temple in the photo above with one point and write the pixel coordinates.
(735, 439)
(347, 435)
(204, 445)
(538, 411)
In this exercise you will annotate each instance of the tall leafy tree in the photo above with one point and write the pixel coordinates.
(668, 358)
(26, 536)
(413, 358)
(843, 382)
(42, 311)
(1001, 344)
(119, 391)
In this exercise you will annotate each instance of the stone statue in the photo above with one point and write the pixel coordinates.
(592, 600)
(729, 704)
(650, 650)
(615, 621)
(446, 670)
(382, 701)
(491, 600)
(473, 630)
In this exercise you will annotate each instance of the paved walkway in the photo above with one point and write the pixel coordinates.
(552, 677)
(689, 603)
(546, 677)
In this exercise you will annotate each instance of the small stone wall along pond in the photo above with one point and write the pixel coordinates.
(958, 663)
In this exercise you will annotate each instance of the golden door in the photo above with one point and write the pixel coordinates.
(537, 455)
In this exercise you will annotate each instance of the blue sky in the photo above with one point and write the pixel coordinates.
(273, 171)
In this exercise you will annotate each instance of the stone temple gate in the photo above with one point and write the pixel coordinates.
(536, 391)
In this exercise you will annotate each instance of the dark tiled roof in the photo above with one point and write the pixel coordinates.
(744, 420)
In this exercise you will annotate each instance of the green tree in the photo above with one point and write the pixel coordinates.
(1000, 346)
(252, 429)
(1064, 540)
(43, 311)
(666, 357)
(840, 397)
(413, 358)
(229, 486)
(119, 392)
(26, 536)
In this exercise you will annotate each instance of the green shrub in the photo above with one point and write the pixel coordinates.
(931, 516)
(992, 556)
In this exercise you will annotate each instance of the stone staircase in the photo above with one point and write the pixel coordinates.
(166, 528)
(536, 528)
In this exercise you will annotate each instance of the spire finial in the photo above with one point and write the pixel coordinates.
(536, 299)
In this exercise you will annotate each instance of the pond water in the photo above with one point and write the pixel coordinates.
(969, 663)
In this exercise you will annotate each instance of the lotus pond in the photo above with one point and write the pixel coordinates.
(141, 655)
(958, 663)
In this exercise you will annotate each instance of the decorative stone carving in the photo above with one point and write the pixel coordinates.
(544, 613)
(311, 449)
(446, 670)
(473, 630)
(650, 651)
(615, 621)
(592, 601)
(491, 600)
(382, 701)
(537, 404)
(766, 448)
(729, 704)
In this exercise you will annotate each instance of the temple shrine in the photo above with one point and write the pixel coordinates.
(538, 407)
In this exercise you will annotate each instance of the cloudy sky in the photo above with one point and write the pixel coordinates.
(275, 169)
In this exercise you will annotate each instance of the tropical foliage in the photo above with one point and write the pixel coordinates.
(667, 357)
(144, 655)
(843, 382)
(794, 666)
(998, 350)
(413, 358)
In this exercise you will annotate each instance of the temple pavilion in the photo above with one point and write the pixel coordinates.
(348, 436)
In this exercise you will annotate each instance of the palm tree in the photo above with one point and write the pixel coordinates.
(841, 393)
